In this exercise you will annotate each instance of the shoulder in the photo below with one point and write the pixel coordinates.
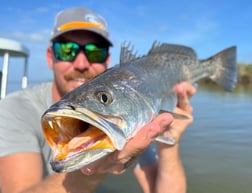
(41, 92)
(35, 99)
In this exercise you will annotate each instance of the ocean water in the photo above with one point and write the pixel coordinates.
(217, 149)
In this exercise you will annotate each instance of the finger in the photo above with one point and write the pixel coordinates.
(177, 128)
(185, 91)
(149, 132)
(185, 88)
(184, 103)
(106, 164)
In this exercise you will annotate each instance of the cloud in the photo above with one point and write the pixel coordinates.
(199, 30)
(34, 37)
(141, 10)
(163, 28)
(27, 21)
(42, 10)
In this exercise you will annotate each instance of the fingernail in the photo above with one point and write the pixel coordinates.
(87, 171)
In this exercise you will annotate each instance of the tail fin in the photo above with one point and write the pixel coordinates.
(225, 73)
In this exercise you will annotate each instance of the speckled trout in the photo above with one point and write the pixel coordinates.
(100, 116)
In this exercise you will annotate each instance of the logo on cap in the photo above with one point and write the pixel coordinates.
(95, 20)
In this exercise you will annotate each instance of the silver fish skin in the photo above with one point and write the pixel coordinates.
(126, 97)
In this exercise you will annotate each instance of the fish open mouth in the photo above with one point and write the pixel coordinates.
(69, 133)
(69, 136)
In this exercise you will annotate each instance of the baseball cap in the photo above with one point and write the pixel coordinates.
(80, 18)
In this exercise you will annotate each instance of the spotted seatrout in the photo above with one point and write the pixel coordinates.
(101, 116)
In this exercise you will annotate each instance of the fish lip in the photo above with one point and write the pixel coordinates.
(57, 107)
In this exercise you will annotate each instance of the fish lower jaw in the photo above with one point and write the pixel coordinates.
(78, 160)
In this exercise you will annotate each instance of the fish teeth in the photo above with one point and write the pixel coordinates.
(60, 128)
(58, 122)
(50, 124)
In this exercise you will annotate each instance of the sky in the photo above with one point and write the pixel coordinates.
(208, 26)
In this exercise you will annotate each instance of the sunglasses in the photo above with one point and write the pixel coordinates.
(68, 51)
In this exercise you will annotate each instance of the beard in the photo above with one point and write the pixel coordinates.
(65, 86)
(82, 76)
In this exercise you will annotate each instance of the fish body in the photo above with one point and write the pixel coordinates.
(100, 116)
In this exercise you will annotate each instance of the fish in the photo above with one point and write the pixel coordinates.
(102, 115)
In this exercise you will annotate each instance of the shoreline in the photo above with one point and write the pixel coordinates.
(244, 75)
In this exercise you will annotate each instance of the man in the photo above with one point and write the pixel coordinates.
(79, 51)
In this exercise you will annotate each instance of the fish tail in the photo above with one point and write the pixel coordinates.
(225, 70)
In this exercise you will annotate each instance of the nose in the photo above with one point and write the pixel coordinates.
(81, 63)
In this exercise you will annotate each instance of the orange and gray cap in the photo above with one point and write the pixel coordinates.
(80, 19)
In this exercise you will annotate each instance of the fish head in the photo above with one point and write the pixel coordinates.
(85, 125)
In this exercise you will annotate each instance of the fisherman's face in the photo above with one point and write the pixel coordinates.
(69, 75)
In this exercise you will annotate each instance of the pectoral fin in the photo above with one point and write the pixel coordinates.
(166, 140)
(170, 140)
(175, 115)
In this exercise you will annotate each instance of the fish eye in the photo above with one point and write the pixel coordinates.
(104, 97)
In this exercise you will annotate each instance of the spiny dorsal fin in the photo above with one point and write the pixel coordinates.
(126, 54)
(171, 49)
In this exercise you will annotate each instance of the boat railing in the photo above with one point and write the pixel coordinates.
(12, 49)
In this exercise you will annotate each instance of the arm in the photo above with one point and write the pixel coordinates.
(73, 182)
(170, 175)
(22, 173)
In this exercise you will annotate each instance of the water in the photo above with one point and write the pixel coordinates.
(216, 149)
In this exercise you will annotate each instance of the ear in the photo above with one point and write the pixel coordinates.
(49, 57)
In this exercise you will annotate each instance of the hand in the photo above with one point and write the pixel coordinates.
(118, 161)
(175, 130)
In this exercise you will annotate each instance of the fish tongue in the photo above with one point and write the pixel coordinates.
(90, 136)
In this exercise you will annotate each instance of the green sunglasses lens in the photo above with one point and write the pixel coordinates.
(65, 51)
(95, 53)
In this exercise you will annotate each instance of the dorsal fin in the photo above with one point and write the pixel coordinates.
(126, 54)
(172, 49)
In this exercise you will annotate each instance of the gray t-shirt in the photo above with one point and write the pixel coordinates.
(20, 128)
